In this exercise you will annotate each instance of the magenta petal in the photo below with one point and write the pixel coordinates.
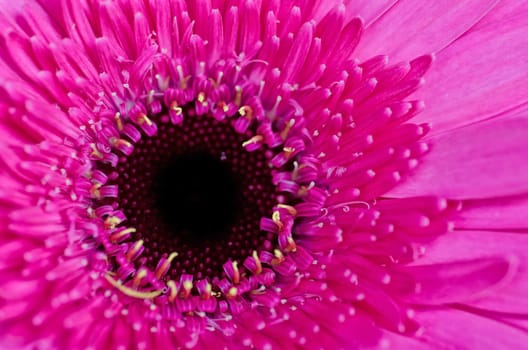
(510, 298)
(454, 329)
(369, 10)
(409, 28)
(494, 214)
(481, 75)
(459, 281)
(478, 161)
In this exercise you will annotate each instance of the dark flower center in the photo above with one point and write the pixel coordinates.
(197, 195)
(193, 189)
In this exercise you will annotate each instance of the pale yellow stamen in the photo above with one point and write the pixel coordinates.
(257, 262)
(187, 288)
(166, 265)
(291, 210)
(95, 191)
(232, 292)
(277, 220)
(279, 257)
(116, 236)
(292, 246)
(142, 118)
(174, 106)
(132, 292)
(288, 151)
(208, 291)
(116, 142)
(236, 273)
(173, 290)
(246, 111)
(133, 251)
(254, 139)
(286, 131)
(111, 222)
(95, 152)
(238, 95)
(201, 98)
(142, 273)
(119, 122)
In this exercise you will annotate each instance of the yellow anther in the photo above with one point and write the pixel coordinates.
(111, 222)
(132, 292)
(291, 210)
(133, 251)
(232, 292)
(119, 122)
(95, 152)
(142, 273)
(174, 106)
(116, 142)
(286, 131)
(95, 191)
(257, 262)
(144, 119)
(116, 236)
(236, 273)
(279, 257)
(246, 111)
(277, 220)
(292, 246)
(238, 95)
(187, 288)
(288, 151)
(184, 81)
(305, 189)
(201, 98)
(254, 139)
(208, 291)
(173, 290)
(166, 264)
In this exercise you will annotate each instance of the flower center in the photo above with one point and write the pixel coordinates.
(193, 189)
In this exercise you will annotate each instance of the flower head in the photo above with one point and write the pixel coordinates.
(236, 174)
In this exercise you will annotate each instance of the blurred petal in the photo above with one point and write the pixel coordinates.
(482, 74)
(410, 28)
(466, 163)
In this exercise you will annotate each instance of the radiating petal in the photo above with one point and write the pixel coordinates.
(409, 28)
(467, 163)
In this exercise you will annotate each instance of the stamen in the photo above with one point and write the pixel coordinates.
(132, 292)
(254, 139)
(173, 290)
(111, 222)
(119, 122)
(291, 210)
(257, 262)
(133, 252)
(246, 111)
(142, 118)
(163, 268)
(279, 257)
(142, 273)
(117, 236)
(277, 220)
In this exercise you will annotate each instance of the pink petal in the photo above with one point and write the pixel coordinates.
(459, 281)
(478, 161)
(410, 29)
(454, 329)
(510, 297)
(369, 10)
(481, 75)
(494, 214)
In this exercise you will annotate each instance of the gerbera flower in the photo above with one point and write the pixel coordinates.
(258, 174)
